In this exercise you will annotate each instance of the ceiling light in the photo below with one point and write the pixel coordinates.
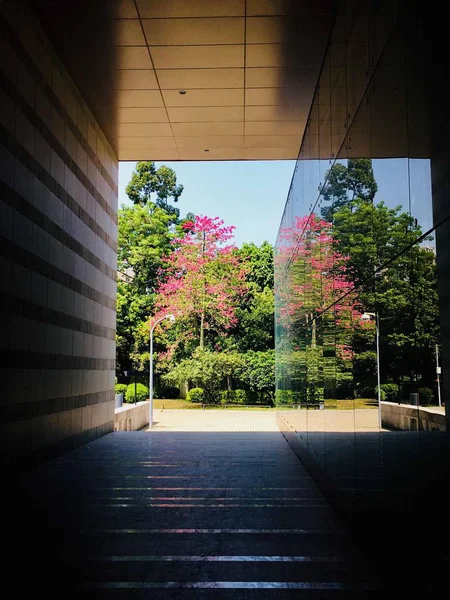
(182, 92)
(206, 150)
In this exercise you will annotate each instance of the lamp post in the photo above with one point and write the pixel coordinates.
(150, 383)
(366, 317)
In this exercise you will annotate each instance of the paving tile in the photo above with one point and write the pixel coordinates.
(212, 505)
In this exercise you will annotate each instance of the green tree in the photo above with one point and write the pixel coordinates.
(344, 183)
(147, 180)
(259, 261)
(144, 238)
(255, 327)
(403, 294)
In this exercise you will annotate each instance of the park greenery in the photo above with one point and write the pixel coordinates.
(222, 341)
(354, 255)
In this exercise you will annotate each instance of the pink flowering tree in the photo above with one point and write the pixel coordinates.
(203, 281)
(317, 309)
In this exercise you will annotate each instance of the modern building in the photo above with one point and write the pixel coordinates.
(357, 92)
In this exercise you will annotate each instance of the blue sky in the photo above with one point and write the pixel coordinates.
(249, 195)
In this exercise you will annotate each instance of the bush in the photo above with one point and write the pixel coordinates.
(390, 391)
(168, 392)
(382, 393)
(284, 397)
(196, 395)
(426, 396)
(141, 393)
(240, 396)
(227, 396)
(120, 388)
(363, 389)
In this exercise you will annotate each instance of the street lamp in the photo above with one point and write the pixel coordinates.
(150, 386)
(368, 316)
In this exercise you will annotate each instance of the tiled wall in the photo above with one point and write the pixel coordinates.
(58, 224)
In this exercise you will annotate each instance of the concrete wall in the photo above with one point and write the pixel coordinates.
(409, 418)
(58, 223)
(131, 417)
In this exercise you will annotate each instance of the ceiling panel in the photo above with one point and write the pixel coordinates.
(279, 55)
(136, 79)
(277, 97)
(191, 8)
(265, 128)
(150, 154)
(127, 143)
(209, 128)
(142, 115)
(144, 130)
(272, 153)
(178, 79)
(246, 70)
(139, 98)
(204, 98)
(213, 154)
(197, 57)
(219, 141)
(121, 9)
(275, 113)
(266, 30)
(271, 141)
(133, 57)
(127, 32)
(278, 77)
(206, 114)
(190, 32)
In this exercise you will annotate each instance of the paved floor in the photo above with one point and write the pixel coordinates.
(193, 514)
(215, 420)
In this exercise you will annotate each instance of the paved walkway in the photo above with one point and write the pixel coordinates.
(204, 513)
(214, 420)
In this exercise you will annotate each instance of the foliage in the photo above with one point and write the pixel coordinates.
(147, 180)
(144, 240)
(141, 392)
(284, 396)
(196, 395)
(256, 373)
(203, 282)
(426, 396)
(259, 262)
(168, 392)
(345, 183)
(391, 391)
(120, 388)
(405, 297)
(240, 396)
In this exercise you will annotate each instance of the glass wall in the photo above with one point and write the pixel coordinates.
(357, 308)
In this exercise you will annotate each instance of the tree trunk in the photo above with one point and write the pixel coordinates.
(202, 330)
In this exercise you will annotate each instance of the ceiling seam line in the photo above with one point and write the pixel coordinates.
(156, 74)
(245, 66)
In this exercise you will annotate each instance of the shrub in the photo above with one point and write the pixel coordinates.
(364, 389)
(227, 396)
(141, 393)
(382, 393)
(120, 388)
(240, 396)
(284, 397)
(390, 391)
(426, 396)
(168, 392)
(196, 395)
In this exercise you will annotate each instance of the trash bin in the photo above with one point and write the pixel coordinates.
(321, 405)
(414, 399)
(119, 400)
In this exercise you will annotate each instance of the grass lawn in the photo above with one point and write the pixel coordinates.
(329, 404)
